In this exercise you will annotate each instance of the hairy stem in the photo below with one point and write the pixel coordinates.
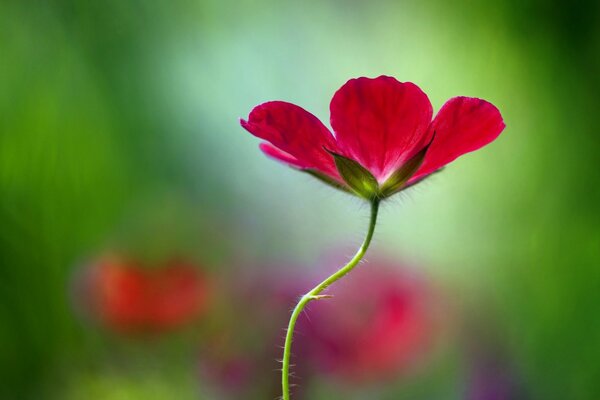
(315, 294)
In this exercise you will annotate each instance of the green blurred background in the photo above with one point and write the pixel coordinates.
(119, 129)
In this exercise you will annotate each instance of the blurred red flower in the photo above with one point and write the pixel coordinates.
(127, 297)
(383, 125)
(381, 322)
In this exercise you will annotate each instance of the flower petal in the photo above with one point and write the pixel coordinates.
(398, 179)
(380, 122)
(273, 152)
(295, 131)
(462, 125)
(280, 155)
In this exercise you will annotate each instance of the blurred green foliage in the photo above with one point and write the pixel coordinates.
(107, 107)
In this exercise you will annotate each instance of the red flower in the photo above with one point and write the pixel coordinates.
(128, 298)
(385, 139)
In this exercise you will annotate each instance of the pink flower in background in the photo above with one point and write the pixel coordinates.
(127, 297)
(384, 137)
(387, 330)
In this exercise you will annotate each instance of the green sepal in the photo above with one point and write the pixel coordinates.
(328, 180)
(397, 181)
(357, 177)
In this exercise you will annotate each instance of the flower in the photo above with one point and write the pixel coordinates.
(385, 139)
(128, 298)
(381, 322)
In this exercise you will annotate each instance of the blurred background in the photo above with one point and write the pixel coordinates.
(148, 250)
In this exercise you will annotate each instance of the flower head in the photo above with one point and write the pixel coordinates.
(384, 137)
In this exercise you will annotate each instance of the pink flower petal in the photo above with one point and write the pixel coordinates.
(462, 125)
(380, 122)
(295, 131)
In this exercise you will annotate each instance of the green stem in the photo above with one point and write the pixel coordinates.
(315, 294)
